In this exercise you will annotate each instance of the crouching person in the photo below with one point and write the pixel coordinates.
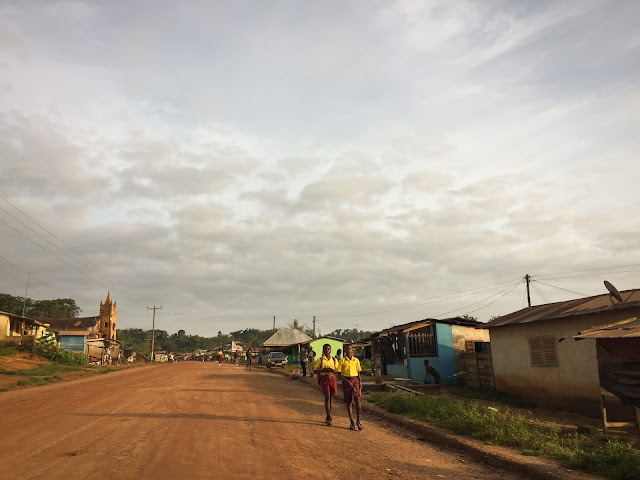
(326, 368)
(350, 369)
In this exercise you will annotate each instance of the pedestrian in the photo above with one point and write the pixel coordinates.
(311, 358)
(303, 361)
(338, 355)
(326, 368)
(235, 357)
(220, 357)
(249, 359)
(351, 387)
(432, 372)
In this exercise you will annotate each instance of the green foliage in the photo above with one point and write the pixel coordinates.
(48, 348)
(350, 334)
(614, 459)
(493, 396)
(23, 383)
(366, 364)
(6, 351)
(42, 370)
(58, 308)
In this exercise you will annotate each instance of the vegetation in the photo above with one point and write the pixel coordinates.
(350, 334)
(48, 348)
(493, 396)
(614, 459)
(58, 308)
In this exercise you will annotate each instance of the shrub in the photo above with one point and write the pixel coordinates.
(48, 348)
(366, 364)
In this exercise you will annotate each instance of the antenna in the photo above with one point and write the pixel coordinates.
(613, 291)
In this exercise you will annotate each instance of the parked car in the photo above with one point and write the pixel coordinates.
(276, 359)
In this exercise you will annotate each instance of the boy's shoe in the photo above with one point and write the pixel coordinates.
(360, 427)
(328, 420)
(352, 426)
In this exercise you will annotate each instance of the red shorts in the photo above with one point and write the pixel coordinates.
(350, 391)
(328, 384)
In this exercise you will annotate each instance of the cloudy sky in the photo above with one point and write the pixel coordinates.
(370, 163)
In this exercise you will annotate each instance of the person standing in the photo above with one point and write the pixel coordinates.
(303, 361)
(220, 357)
(350, 369)
(326, 368)
(235, 357)
(311, 358)
(249, 358)
(339, 355)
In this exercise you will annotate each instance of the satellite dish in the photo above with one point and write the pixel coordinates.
(613, 291)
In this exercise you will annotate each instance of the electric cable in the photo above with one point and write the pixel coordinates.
(560, 288)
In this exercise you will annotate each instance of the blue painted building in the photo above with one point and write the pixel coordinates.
(404, 348)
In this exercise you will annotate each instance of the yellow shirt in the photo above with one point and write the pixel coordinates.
(324, 362)
(349, 368)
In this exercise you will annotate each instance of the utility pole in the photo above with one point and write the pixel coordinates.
(153, 331)
(314, 326)
(24, 305)
(528, 278)
(274, 324)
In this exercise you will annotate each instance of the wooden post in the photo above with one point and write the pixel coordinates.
(638, 418)
(604, 413)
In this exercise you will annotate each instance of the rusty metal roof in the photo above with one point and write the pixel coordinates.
(570, 308)
(448, 321)
(79, 323)
(628, 329)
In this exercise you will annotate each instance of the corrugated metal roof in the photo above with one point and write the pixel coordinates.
(75, 322)
(579, 306)
(285, 337)
(448, 321)
(630, 329)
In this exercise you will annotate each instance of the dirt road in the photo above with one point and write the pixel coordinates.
(199, 421)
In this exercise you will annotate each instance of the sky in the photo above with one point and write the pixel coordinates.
(369, 163)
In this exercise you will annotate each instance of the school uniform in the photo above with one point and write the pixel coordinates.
(350, 370)
(327, 380)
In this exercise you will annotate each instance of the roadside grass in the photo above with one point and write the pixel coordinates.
(615, 459)
(492, 396)
(42, 370)
(6, 351)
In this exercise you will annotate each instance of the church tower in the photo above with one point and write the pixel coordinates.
(108, 317)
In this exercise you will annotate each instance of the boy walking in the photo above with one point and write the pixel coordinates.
(311, 357)
(326, 368)
(350, 369)
(249, 358)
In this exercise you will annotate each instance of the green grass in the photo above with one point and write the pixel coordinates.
(614, 459)
(492, 396)
(42, 370)
(6, 351)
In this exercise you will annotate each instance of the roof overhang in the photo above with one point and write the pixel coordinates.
(628, 328)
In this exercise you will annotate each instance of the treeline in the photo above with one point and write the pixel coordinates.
(140, 340)
(58, 308)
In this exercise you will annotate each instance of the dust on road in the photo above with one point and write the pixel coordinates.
(196, 420)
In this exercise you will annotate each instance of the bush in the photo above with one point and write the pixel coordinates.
(366, 364)
(48, 348)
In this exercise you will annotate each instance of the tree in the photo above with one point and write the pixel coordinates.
(295, 323)
(58, 308)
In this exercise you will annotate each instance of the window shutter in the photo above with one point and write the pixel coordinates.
(469, 345)
(550, 351)
(535, 347)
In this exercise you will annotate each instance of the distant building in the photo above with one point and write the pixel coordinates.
(93, 336)
(19, 330)
(286, 340)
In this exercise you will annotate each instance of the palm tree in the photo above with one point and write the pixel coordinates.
(296, 324)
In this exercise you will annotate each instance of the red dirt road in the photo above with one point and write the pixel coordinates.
(196, 420)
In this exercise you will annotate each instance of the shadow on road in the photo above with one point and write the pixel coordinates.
(197, 416)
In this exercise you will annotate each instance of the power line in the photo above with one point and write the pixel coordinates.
(591, 274)
(413, 303)
(479, 301)
(91, 266)
(589, 270)
(560, 288)
(540, 293)
(18, 271)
